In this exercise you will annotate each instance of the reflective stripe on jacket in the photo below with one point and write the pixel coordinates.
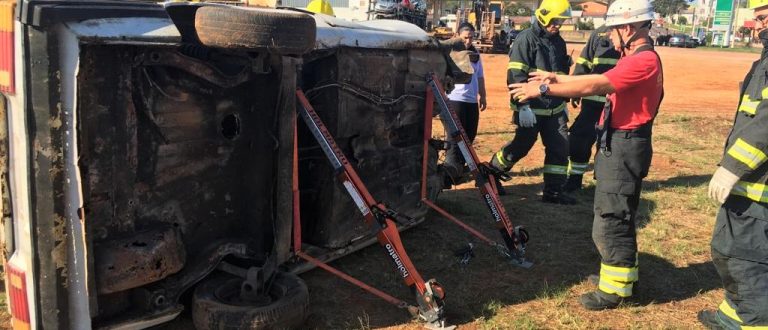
(535, 50)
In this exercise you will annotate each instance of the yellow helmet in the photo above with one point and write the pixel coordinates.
(550, 9)
(320, 7)
(754, 4)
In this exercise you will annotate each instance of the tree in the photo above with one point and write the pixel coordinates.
(681, 20)
(669, 7)
(745, 31)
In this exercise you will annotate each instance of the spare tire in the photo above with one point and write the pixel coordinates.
(216, 304)
(277, 31)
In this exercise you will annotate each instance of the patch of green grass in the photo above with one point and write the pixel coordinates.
(678, 118)
(755, 50)
(491, 308)
(522, 322)
(364, 322)
(557, 292)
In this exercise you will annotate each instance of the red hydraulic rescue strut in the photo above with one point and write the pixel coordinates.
(515, 237)
(429, 294)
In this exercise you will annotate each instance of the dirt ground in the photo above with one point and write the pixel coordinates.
(675, 220)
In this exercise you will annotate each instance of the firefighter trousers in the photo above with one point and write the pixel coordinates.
(581, 136)
(740, 255)
(469, 116)
(554, 135)
(619, 175)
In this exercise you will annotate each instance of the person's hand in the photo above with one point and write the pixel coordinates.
(575, 102)
(721, 184)
(543, 76)
(482, 104)
(523, 92)
(526, 117)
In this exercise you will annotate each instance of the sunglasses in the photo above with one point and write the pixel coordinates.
(557, 21)
(760, 17)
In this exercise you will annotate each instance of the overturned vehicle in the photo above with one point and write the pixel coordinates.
(154, 151)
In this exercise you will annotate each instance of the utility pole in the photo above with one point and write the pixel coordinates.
(728, 32)
(693, 23)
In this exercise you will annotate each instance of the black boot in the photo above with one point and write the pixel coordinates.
(595, 279)
(710, 320)
(447, 181)
(573, 183)
(496, 165)
(599, 300)
(557, 197)
(499, 188)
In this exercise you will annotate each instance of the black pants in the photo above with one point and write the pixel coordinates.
(740, 255)
(619, 177)
(581, 135)
(554, 135)
(469, 115)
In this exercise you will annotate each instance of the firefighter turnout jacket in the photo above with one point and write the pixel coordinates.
(537, 50)
(747, 144)
(597, 56)
(739, 241)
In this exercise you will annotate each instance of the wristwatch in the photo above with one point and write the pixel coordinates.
(543, 89)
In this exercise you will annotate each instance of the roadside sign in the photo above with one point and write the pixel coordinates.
(723, 15)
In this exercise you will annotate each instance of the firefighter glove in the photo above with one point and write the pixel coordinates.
(526, 116)
(721, 184)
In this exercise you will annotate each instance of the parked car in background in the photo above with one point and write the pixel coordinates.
(696, 42)
(681, 40)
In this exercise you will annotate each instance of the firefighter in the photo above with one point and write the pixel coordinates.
(320, 7)
(740, 238)
(635, 89)
(540, 48)
(597, 56)
(466, 100)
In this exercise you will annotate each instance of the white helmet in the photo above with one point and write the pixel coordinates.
(629, 11)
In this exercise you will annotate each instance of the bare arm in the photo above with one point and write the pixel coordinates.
(564, 78)
(586, 85)
(552, 78)
(481, 91)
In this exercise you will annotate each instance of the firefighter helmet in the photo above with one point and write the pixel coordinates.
(320, 7)
(629, 11)
(551, 9)
(755, 4)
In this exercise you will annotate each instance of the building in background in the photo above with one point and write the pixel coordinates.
(590, 11)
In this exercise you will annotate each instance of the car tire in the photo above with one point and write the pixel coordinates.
(216, 304)
(277, 31)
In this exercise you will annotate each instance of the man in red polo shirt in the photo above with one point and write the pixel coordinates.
(634, 88)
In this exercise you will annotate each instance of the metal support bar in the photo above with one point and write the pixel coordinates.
(430, 305)
(515, 244)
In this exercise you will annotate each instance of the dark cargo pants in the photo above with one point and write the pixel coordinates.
(581, 136)
(554, 135)
(619, 175)
(740, 255)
